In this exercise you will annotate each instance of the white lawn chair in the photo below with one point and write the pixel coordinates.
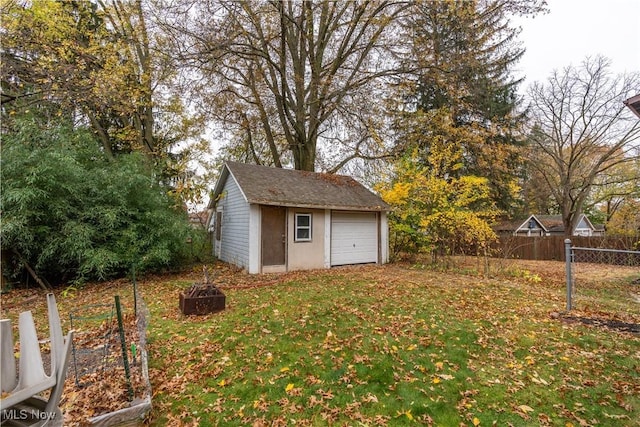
(20, 405)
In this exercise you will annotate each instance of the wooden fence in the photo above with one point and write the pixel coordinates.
(552, 247)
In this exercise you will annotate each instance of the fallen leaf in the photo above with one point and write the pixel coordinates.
(525, 408)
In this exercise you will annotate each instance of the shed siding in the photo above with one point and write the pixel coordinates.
(384, 238)
(306, 255)
(234, 245)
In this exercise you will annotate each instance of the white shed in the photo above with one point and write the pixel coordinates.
(274, 220)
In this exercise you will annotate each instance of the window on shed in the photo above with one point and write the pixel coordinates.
(303, 227)
(218, 225)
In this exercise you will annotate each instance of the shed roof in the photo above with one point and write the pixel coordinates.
(293, 188)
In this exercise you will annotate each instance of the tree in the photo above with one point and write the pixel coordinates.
(611, 191)
(64, 54)
(464, 52)
(435, 214)
(96, 63)
(625, 223)
(535, 194)
(581, 131)
(73, 214)
(293, 77)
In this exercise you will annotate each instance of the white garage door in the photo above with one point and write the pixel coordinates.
(354, 238)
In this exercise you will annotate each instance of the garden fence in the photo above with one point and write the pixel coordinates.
(99, 344)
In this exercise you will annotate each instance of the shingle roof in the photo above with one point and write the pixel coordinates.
(508, 226)
(286, 187)
(548, 222)
(552, 222)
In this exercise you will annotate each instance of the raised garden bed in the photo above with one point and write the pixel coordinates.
(202, 299)
(102, 400)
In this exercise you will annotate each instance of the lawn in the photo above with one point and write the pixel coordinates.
(394, 345)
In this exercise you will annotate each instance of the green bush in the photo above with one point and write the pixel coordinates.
(76, 215)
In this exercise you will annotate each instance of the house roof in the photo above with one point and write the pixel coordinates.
(634, 104)
(548, 223)
(198, 218)
(507, 225)
(551, 222)
(293, 188)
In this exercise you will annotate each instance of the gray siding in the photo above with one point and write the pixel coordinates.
(234, 245)
(582, 223)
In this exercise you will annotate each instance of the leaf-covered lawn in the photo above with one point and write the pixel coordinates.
(390, 345)
(395, 345)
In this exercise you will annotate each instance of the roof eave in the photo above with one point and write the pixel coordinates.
(217, 189)
(633, 104)
(222, 180)
(532, 216)
(315, 206)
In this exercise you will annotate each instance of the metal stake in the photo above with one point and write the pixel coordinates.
(567, 255)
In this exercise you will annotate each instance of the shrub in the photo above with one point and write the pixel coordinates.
(74, 214)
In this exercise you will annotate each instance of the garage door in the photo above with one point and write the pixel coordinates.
(354, 238)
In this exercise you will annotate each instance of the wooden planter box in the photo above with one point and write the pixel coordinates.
(202, 304)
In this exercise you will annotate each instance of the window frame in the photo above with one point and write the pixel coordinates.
(297, 227)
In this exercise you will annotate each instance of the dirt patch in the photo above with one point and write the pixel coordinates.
(615, 325)
(552, 272)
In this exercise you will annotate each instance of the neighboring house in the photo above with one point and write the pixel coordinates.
(198, 219)
(634, 104)
(547, 225)
(272, 220)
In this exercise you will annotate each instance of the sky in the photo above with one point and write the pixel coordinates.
(575, 29)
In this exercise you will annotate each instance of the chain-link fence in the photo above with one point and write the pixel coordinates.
(590, 285)
(606, 256)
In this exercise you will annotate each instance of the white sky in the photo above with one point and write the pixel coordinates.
(575, 29)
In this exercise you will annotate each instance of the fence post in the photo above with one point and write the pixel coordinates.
(123, 345)
(567, 256)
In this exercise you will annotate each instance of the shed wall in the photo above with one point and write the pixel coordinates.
(306, 255)
(234, 245)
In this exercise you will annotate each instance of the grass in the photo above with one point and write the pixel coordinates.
(393, 345)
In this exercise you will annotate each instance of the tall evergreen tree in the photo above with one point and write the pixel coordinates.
(464, 53)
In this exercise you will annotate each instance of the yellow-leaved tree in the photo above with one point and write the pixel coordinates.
(437, 214)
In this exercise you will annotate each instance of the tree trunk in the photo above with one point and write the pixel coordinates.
(39, 281)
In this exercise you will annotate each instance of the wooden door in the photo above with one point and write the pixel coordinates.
(274, 235)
